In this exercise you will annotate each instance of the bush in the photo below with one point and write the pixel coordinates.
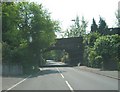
(107, 47)
(89, 54)
(102, 51)
(98, 61)
(90, 38)
(94, 60)
(91, 57)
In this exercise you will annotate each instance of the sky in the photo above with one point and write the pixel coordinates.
(66, 10)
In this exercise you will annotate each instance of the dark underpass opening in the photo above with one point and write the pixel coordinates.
(56, 58)
(72, 48)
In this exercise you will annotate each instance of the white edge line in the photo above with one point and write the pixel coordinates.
(18, 83)
(69, 86)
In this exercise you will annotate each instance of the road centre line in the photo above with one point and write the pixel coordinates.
(18, 83)
(69, 86)
(58, 70)
(60, 73)
(71, 89)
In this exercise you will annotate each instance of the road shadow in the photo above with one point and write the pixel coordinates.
(47, 71)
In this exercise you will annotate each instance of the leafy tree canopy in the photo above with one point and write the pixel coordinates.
(102, 26)
(94, 27)
(27, 30)
(77, 29)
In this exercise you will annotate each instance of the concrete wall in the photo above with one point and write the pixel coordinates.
(0, 69)
(12, 69)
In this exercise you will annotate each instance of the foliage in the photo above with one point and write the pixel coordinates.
(77, 30)
(108, 47)
(101, 51)
(94, 26)
(10, 33)
(102, 27)
(83, 26)
(88, 41)
(94, 59)
(90, 38)
(27, 30)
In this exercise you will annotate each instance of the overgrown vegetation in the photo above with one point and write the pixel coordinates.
(27, 29)
(101, 45)
(102, 52)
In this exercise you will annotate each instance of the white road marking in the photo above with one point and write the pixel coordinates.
(18, 83)
(69, 86)
(71, 89)
(60, 73)
(40, 69)
(58, 70)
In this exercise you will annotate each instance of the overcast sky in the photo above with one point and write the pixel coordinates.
(66, 10)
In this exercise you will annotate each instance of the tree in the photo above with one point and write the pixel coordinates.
(94, 27)
(77, 30)
(27, 30)
(10, 20)
(83, 26)
(10, 34)
(102, 28)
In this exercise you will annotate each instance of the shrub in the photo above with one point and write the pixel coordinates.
(107, 47)
(88, 41)
(94, 60)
